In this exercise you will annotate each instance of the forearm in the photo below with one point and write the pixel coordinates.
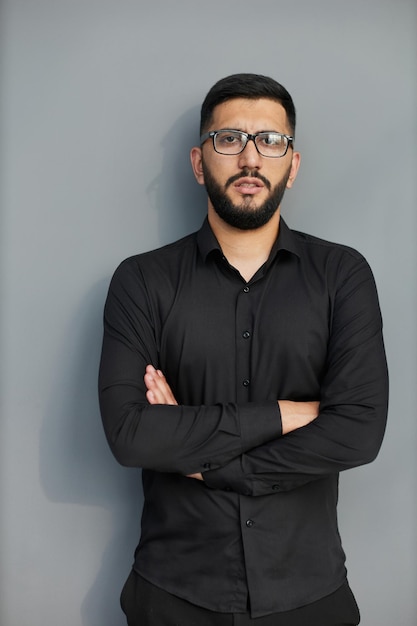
(288, 463)
(295, 415)
(146, 428)
(347, 433)
(307, 454)
(182, 439)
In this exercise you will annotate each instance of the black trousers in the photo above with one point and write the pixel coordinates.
(145, 604)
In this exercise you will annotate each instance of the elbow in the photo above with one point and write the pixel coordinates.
(371, 450)
(366, 455)
(127, 430)
(132, 451)
(363, 436)
(134, 446)
(125, 455)
(371, 441)
(124, 440)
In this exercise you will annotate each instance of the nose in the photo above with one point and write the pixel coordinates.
(250, 156)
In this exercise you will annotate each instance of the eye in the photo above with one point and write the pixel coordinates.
(270, 139)
(228, 138)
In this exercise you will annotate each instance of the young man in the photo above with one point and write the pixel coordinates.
(243, 368)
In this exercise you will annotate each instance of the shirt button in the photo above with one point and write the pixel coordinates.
(246, 334)
(249, 523)
(246, 383)
(246, 289)
(206, 466)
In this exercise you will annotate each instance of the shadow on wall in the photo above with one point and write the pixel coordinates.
(180, 201)
(76, 465)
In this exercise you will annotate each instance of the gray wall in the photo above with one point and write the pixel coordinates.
(99, 109)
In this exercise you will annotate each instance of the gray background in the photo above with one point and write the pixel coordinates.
(99, 109)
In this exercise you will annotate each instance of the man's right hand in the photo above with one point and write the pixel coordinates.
(297, 414)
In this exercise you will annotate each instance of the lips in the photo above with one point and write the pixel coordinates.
(248, 185)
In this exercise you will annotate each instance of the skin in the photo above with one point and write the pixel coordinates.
(246, 250)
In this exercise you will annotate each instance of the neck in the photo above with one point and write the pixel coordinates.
(246, 250)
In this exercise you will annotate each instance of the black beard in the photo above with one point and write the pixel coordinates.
(239, 216)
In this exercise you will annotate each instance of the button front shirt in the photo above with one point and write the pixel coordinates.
(262, 526)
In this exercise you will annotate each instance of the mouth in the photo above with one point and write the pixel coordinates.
(248, 186)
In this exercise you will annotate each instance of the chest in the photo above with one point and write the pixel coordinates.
(246, 341)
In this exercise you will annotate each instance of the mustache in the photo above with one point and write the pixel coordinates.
(248, 174)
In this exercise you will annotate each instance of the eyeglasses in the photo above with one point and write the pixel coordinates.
(232, 142)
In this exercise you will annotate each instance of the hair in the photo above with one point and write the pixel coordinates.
(250, 86)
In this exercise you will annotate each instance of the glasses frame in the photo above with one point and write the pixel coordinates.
(213, 134)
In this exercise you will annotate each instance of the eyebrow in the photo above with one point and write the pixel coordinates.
(267, 130)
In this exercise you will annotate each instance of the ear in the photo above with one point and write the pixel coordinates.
(295, 164)
(197, 164)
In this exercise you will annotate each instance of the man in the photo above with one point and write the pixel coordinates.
(243, 368)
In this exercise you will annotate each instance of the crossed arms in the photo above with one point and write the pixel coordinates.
(294, 415)
(246, 447)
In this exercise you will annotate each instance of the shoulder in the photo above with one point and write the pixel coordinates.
(154, 269)
(165, 256)
(313, 249)
(315, 245)
(337, 263)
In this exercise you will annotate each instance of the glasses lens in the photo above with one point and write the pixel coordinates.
(271, 144)
(229, 141)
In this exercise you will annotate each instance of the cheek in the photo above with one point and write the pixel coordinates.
(216, 172)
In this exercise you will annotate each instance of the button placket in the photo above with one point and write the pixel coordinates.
(243, 343)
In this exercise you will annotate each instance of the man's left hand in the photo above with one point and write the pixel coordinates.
(158, 390)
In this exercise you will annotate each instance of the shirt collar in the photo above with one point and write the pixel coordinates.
(286, 240)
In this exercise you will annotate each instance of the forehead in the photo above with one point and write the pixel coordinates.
(250, 115)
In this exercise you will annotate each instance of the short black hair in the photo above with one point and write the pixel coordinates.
(251, 86)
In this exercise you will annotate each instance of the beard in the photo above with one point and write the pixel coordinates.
(243, 216)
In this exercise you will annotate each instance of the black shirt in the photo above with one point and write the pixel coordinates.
(307, 326)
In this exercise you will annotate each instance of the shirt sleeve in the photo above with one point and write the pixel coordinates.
(353, 405)
(182, 439)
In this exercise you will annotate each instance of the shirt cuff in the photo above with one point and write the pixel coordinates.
(228, 478)
(259, 423)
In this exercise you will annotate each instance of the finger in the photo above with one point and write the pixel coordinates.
(164, 388)
(196, 476)
(150, 396)
(155, 393)
(162, 383)
(156, 383)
